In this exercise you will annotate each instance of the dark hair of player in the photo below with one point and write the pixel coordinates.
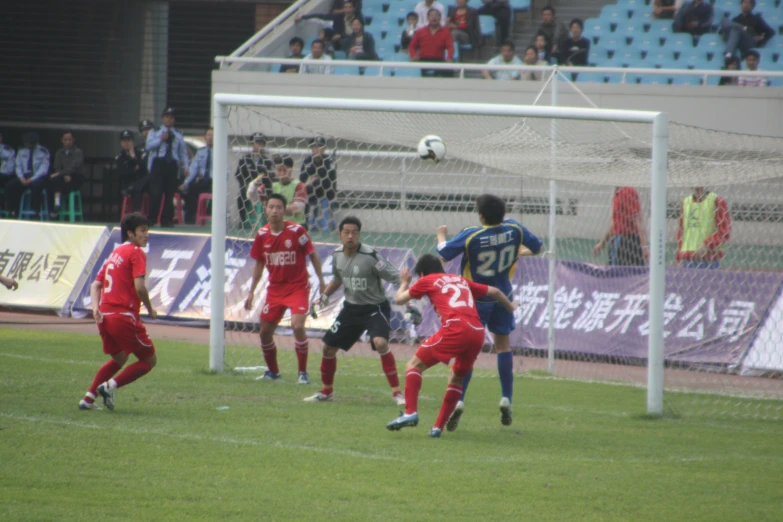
(280, 197)
(428, 264)
(492, 208)
(131, 222)
(351, 220)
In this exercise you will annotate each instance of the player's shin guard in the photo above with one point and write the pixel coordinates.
(412, 387)
(105, 373)
(270, 356)
(301, 354)
(506, 374)
(450, 400)
(133, 372)
(465, 382)
(328, 369)
(390, 369)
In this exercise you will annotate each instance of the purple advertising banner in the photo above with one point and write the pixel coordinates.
(710, 316)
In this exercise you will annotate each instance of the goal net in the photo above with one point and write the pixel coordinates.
(720, 320)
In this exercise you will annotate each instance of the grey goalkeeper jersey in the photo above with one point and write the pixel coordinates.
(362, 275)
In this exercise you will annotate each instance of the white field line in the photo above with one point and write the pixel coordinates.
(328, 450)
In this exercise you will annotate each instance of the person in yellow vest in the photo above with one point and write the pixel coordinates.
(294, 191)
(705, 226)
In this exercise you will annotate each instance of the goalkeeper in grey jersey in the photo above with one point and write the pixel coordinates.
(361, 271)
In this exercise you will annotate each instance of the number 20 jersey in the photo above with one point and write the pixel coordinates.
(490, 252)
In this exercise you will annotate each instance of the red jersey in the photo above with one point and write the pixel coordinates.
(451, 295)
(284, 253)
(118, 275)
(432, 46)
(626, 207)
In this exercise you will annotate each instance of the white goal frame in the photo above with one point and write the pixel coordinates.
(660, 142)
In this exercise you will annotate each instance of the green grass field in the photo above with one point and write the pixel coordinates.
(576, 451)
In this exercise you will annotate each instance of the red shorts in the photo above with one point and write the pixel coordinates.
(125, 333)
(455, 340)
(281, 297)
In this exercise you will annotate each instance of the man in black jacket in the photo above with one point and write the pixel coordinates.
(319, 175)
(341, 22)
(131, 165)
(250, 167)
(694, 17)
(746, 31)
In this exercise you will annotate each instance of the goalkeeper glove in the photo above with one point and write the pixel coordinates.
(413, 315)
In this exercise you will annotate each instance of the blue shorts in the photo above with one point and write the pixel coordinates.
(496, 318)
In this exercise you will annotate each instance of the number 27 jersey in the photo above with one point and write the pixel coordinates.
(451, 296)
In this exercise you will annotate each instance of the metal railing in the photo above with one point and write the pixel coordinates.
(378, 68)
(269, 28)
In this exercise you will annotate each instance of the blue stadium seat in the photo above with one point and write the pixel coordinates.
(585, 77)
(645, 45)
(597, 54)
(595, 29)
(645, 15)
(631, 30)
(408, 73)
(661, 29)
(612, 43)
(614, 14)
(628, 56)
(713, 81)
(520, 5)
(487, 24)
(654, 79)
(711, 44)
(776, 82)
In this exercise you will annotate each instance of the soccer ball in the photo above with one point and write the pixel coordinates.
(432, 147)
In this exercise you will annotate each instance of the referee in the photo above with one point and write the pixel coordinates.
(361, 270)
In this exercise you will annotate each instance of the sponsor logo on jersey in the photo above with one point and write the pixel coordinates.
(303, 240)
(355, 270)
(380, 265)
(280, 258)
(288, 243)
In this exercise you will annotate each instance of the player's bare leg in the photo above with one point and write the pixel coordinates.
(130, 374)
(328, 369)
(301, 345)
(269, 349)
(410, 418)
(389, 366)
(506, 374)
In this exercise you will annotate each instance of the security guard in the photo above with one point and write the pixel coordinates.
(200, 179)
(131, 165)
(168, 154)
(32, 167)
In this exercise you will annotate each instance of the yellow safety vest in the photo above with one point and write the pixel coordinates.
(288, 192)
(698, 221)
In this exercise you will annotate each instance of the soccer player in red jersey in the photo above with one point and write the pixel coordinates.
(460, 337)
(117, 294)
(281, 246)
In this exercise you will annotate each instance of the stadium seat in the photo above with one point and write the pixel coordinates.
(612, 43)
(713, 81)
(776, 82)
(596, 29)
(631, 30)
(407, 73)
(653, 79)
(178, 215)
(521, 6)
(615, 15)
(127, 206)
(712, 44)
(768, 57)
(660, 29)
(487, 24)
(645, 45)
(202, 209)
(628, 56)
(585, 77)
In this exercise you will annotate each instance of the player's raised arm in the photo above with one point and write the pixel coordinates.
(496, 294)
(144, 296)
(403, 295)
(258, 271)
(448, 250)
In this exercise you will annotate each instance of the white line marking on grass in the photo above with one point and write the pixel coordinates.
(80, 363)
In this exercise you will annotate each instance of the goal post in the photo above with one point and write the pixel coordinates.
(658, 137)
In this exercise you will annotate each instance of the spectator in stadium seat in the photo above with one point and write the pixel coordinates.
(506, 57)
(296, 45)
(325, 35)
(423, 8)
(412, 20)
(317, 53)
(32, 167)
(7, 163)
(463, 21)
(577, 48)
(200, 179)
(666, 9)
(703, 229)
(531, 58)
(168, 156)
(339, 6)
(341, 22)
(319, 174)
(553, 30)
(752, 60)
(68, 175)
(694, 17)
(132, 170)
(745, 31)
(732, 64)
(359, 45)
(431, 43)
(295, 192)
(543, 48)
(500, 10)
(626, 235)
(253, 166)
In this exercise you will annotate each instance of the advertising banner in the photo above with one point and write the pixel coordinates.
(49, 261)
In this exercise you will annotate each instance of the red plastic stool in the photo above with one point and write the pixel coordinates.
(202, 210)
(127, 205)
(178, 214)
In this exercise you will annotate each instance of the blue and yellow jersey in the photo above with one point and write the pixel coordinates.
(490, 253)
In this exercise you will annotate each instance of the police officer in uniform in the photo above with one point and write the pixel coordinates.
(168, 154)
(200, 179)
(131, 165)
(252, 166)
(32, 169)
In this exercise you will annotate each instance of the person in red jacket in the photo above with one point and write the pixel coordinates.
(430, 43)
(704, 227)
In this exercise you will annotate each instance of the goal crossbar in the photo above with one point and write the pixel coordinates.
(659, 139)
